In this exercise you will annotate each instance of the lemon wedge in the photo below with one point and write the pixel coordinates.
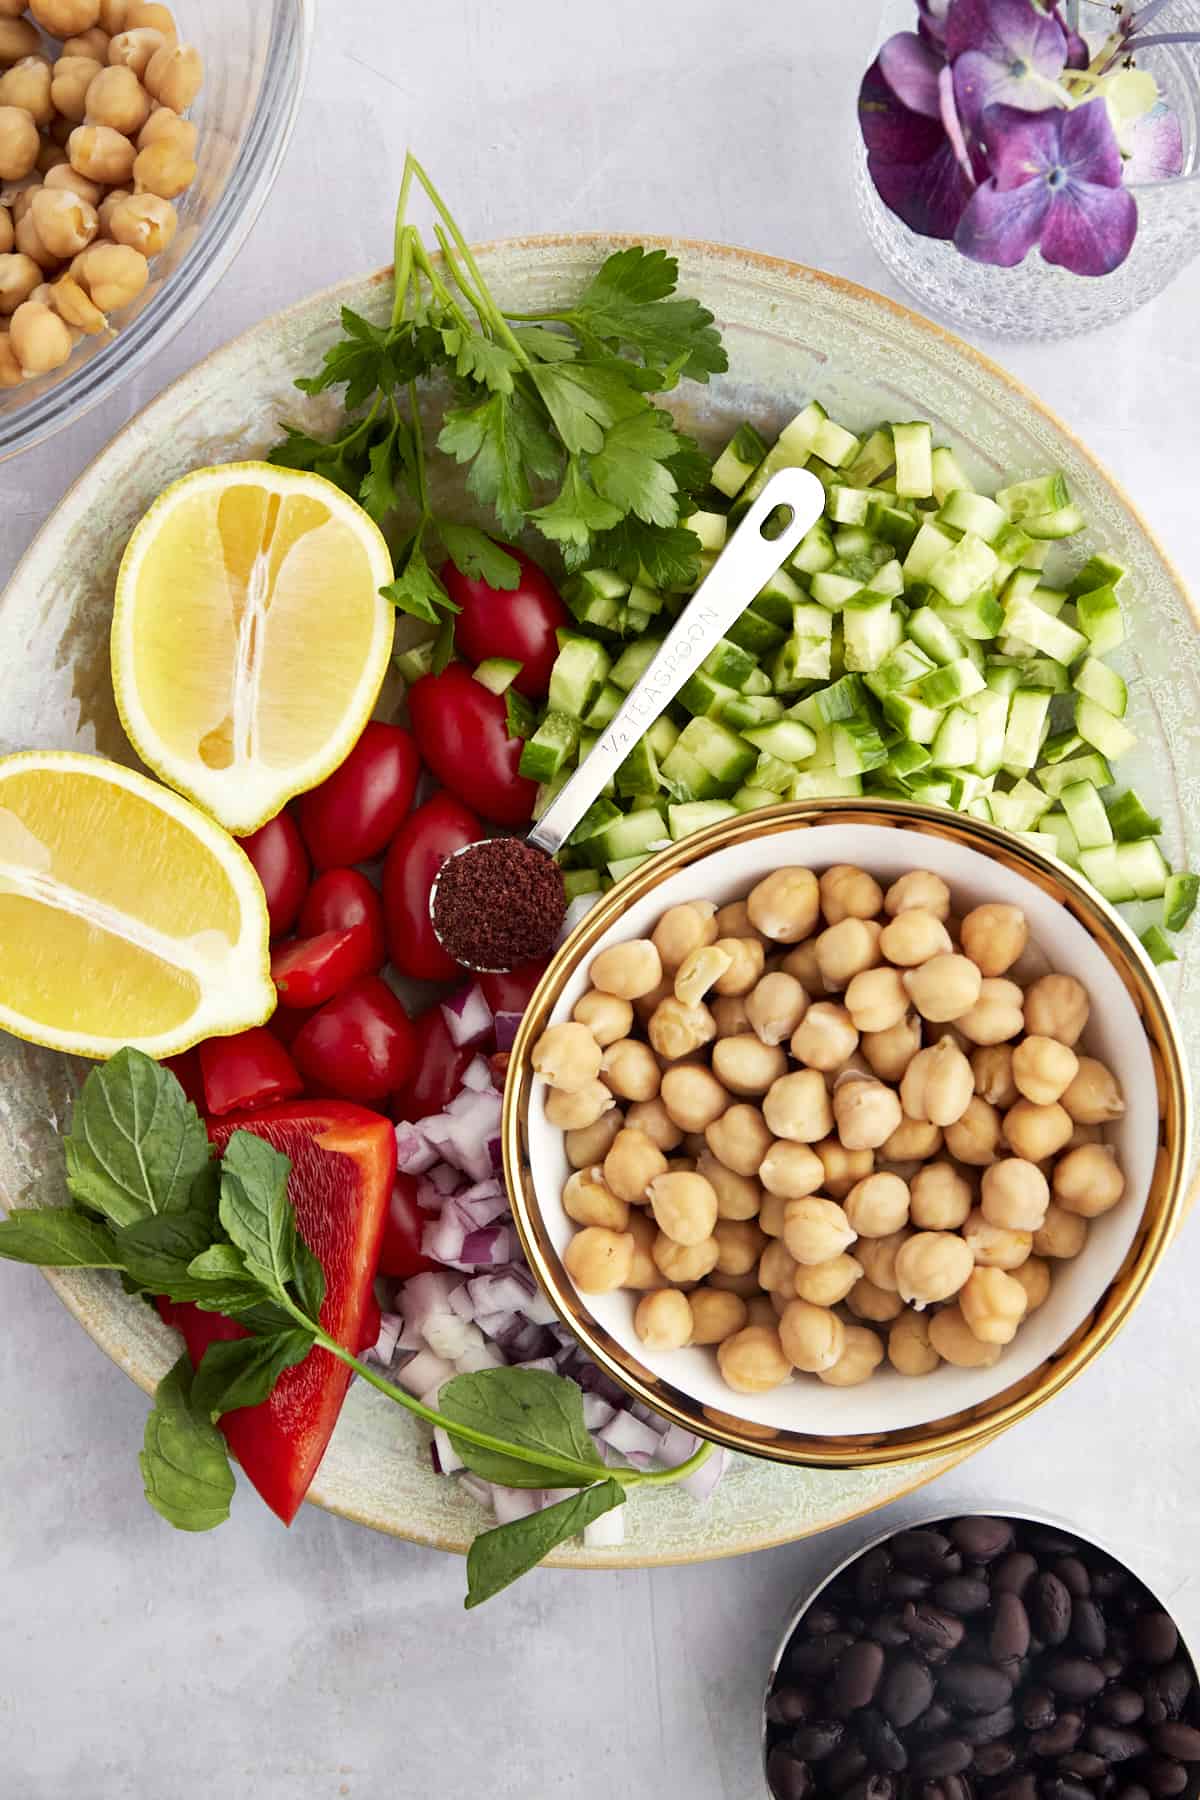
(126, 915)
(249, 638)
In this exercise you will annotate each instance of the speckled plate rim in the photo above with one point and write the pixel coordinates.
(801, 273)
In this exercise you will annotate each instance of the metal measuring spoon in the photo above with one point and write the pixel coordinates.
(745, 565)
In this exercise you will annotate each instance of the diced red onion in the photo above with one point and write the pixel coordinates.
(463, 1134)
(498, 1325)
(629, 1436)
(507, 1025)
(495, 1150)
(423, 1372)
(503, 1292)
(703, 1484)
(606, 1532)
(414, 1152)
(530, 1344)
(488, 1248)
(540, 1362)
(482, 1209)
(446, 1456)
(385, 1345)
(468, 1016)
(443, 1238)
(425, 1295)
(477, 1076)
(478, 1490)
(596, 1412)
(446, 1335)
(511, 1504)
(484, 1356)
(440, 1181)
(460, 1303)
(676, 1445)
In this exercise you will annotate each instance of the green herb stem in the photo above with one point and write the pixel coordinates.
(495, 317)
(403, 236)
(664, 1477)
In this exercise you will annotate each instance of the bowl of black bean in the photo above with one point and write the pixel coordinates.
(982, 1658)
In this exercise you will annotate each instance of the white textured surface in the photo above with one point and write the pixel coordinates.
(133, 1660)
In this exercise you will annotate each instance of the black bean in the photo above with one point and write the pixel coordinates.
(953, 1787)
(1155, 1639)
(1179, 1741)
(870, 1575)
(1114, 1744)
(1165, 1777)
(888, 1630)
(936, 1718)
(1014, 1574)
(974, 1687)
(846, 1766)
(926, 1553)
(1038, 1709)
(985, 1728)
(1084, 1764)
(819, 1621)
(787, 1778)
(1121, 1706)
(1049, 1542)
(1065, 1787)
(1088, 1627)
(791, 1705)
(1134, 1791)
(1108, 1581)
(981, 1538)
(817, 1740)
(1111, 1666)
(932, 1629)
(907, 1691)
(962, 1594)
(1051, 1609)
(858, 1673)
(880, 1742)
(1010, 1634)
(1074, 1577)
(1059, 1738)
(1021, 1787)
(1170, 1688)
(872, 1787)
(991, 1760)
(902, 1584)
(1073, 1676)
(815, 1656)
(950, 1756)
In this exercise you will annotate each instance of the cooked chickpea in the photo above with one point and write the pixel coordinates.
(738, 1196)
(953, 1339)
(63, 178)
(715, 1315)
(572, 1111)
(108, 205)
(825, 1037)
(161, 169)
(914, 1140)
(766, 1309)
(996, 1246)
(18, 37)
(627, 970)
(40, 340)
(1057, 1006)
(940, 1197)
(1062, 1234)
(919, 890)
(813, 1337)
(27, 85)
(993, 1305)
(770, 1214)
(797, 1107)
(975, 1137)
(849, 893)
(802, 963)
(676, 1030)
(862, 1353)
(682, 930)
(133, 50)
(598, 1261)
(1093, 1096)
(633, 1162)
(663, 1320)
(174, 76)
(113, 15)
(790, 1171)
(693, 1096)
(11, 373)
(19, 143)
(166, 127)
(876, 1000)
(888, 1053)
(867, 1112)
(729, 1015)
(878, 1205)
(828, 1283)
(740, 1244)
(1036, 1132)
(152, 15)
(842, 1167)
(93, 43)
(845, 950)
(567, 1056)
(944, 988)
(75, 308)
(775, 1006)
(997, 1014)
(937, 1084)
(877, 1305)
(734, 921)
(116, 98)
(644, 1272)
(699, 970)
(63, 18)
(914, 937)
(65, 223)
(687, 1263)
(589, 1144)
(777, 1269)
(1034, 1277)
(816, 1230)
(29, 238)
(630, 1069)
(603, 1015)
(1087, 1181)
(992, 1070)
(684, 1206)
(932, 1265)
(740, 1138)
(746, 1065)
(785, 905)
(994, 936)
(1014, 1194)
(588, 1201)
(101, 154)
(70, 79)
(744, 968)
(909, 1349)
(753, 1360)
(878, 1258)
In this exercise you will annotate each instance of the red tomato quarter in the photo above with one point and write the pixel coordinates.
(281, 863)
(309, 971)
(360, 1045)
(247, 1070)
(420, 847)
(437, 1069)
(518, 623)
(462, 730)
(401, 1254)
(344, 900)
(351, 816)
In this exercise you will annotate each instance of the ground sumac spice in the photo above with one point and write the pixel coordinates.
(499, 903)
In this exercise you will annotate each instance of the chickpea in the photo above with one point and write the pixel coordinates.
(944, 988)
(587, 1145)
(740, 1244)
(598, 1261)
(813, 1337)
(18, 39)
(108, 206)
(101, 154)
(644, 1272)
(878, 1258)
(866, 1111)
(849, 893)
(62, 178)
(861, 1355)
(75, 309)
(827, 1283)
(775, 1006)
(683, 1264)
(992, 1069)
(588, 1201)
(698, 971)
(909, 1349)
(878, 1205)
(92, 43)
(753, 1360)
(631, 1070)
(770, 1214)
(740, 1138)
(39, 338)
(676, 1030)
(953, 1339)
(684, 1207)
(27, 86)
(940, 1197)
(766, 1309)
(729, 1015)
(844, 951)
(627, 970)
(797, 1107)
(888, 1053)
(663, 1320)
(1093, 1096)
(842, 1167)
(572, 1111)
(975, 1137)
(745, 965)
(63, 18)
(65, 223)
(1062, 1234)
(652, 1118)
(50, 156)
(29, 238)
(132, 50)
(174, 76)
(746, 1287)
(919, 889)
(993, 1305)
(151, 15)
(876, 1000)
(567, 1056)
(815, 1230)
(1034, 1277)
(633, 1162)
(1087, 1181)
(937, 1084)
(113, 14)
(932, 1265)
(715, 1315)
(914, 1140)
(682, 929)
(734, 921)
(116, 98)
(738, 1197)
(996, 1246)
(166, 127)
(877, 1305)
(994, 936)
(1057, 1006)
(1036, 1132)
(693, 1096)
(802, 964)
(785, 905)
(11, 372)
(1015, 1195)
(825, 1037)
(162, 169)
(19, 143)
(914, 937)
(791, 1171)
(746, 1065)
(996, 1016)
(604, 1016)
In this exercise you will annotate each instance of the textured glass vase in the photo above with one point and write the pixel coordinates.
(1037, 300)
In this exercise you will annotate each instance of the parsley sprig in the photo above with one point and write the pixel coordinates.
(554, 416)
(149, 1201)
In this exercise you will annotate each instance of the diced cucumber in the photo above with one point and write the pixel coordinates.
(710, 527)
(1024, 619)
(906, 759)
(832, 590)
(728, 663)
(1096, 681)
(1179, 899)
(599, 815)
(416, 661)
(685, 778)
(963, 570)
(841, 700)
(696, 814)
(892, 524)
(755, 634)
(876, 458)
(633, 662)
(1021, 808)
(978, 620)
(957, 742)
(932, 790)
(1098, 571)
(814, 784)
(1085, 810)
(850, 505)
(1157, 947)
(644, 598)
(1044, 841)
(772, 774)
(918, 722)
(899, 669)
(926, 550)
(1101, 730)
(871, 629)
(580, 881)
(973, 513)
(1144, 868)
(722, 752)
(548, 789)
(637, 777)
(857, 746)
(580, 671)
(931, 634)
(605, 707)
(787, 739)
(776, 598)
(1089, 767)
(738, 461)
(834, 444)
(662, 735)
(814, 552)
(630, 835)
(1002, 676)
(750, 709)
(1051, 600)
(625, 865)
(1043, 672)
(1016, 546)
(1103, 869)
(990, 712)
(913, 444)
(953, 682)
(1063, 523)
(749, 799)
(858, 551)
(948, 477)
(1040, 494)
(791, 450)
(594, 597)
(1059, 827)
(1061, 745)
(556, 738)
(800, 661)
(1100, 620)
(1035, 556)
(1027, 713)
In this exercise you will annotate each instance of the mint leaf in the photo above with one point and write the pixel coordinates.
(57, 1237)
(308, 1280)
(498, 1558)
(158, 1252)
(479, 557)
(255, 1209)
(630, 470)
(136, 1142)
(529, 1408)
(584, 400)
(184, 1462)
(577, 512)
(626, 303)
(508, 447)
(416, 589)
(243, 1371)
(218, 1281)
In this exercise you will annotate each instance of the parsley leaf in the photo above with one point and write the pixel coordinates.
(377, 490)
(184, 1462)
(136, 1142)
(584, 400)
(508, 448)
(626, 302)
(478, 358)
(359, 359)
(670, 556)
(477, 556)
(498, 1558)
(631, 470)
(545, 345)
(577, 512)
(416, 589)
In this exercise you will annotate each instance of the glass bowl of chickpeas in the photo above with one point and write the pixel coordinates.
(138, 142)
(847, 1133)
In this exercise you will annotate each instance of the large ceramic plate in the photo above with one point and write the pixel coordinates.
(791, 334)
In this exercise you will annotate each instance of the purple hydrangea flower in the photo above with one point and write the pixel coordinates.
(1056, 183)
(1154, 146)
(1004, 53)
(913, 160)
(932, 21)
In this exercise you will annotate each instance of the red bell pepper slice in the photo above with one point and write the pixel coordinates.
(343, 1167)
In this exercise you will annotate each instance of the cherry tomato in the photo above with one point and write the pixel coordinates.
(281, 863)
(437, 1069)
(403, 1224)
(286, 1023)
(308, 971)
(351, 816)
(360, 1045)
(343, 900)
(511, 990)
(518, 623)
(462, 730)
(420, 847)
(248, 1070)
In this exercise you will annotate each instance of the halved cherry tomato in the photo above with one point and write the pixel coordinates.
(401, 1255)
(341, 900)
(420, 847)
(308, 971)
(287, 1022)
(437, 1070)
(248, 1070)
(518, 623)
(351, 816)
(511, 990)
(360, 1045)
(281, 863)
(462, 730)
